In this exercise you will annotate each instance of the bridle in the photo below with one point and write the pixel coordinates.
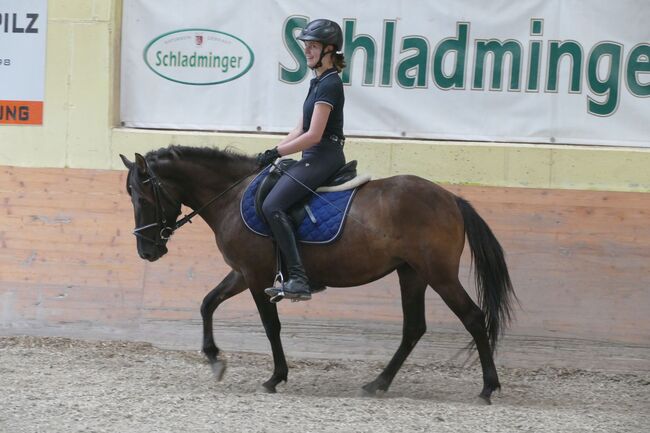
(164, 229)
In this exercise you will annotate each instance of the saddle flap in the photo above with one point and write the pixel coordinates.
(321, 220)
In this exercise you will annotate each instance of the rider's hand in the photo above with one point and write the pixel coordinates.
(267, 157)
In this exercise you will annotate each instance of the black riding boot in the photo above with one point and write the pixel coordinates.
(297, 285)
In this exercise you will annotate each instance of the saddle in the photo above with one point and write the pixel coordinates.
(297, 212)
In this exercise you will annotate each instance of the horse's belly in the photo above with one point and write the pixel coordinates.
(352, 268)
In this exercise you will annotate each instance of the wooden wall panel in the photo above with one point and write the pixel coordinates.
(580, 261)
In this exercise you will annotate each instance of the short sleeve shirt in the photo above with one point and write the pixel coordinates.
(326, 89)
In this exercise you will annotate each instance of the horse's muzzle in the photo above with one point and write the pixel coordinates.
(154, 254)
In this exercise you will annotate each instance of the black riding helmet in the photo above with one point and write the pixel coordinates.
(326, 32)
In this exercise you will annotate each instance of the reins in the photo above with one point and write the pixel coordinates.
(188, 218)
(161, 220)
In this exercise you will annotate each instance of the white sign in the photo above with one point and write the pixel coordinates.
(23, 34)
(541, 71)
(213, 57)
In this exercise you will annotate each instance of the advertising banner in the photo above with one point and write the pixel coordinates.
(538, 71)
(23, 34)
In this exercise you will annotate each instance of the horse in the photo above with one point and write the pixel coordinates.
(402, 223)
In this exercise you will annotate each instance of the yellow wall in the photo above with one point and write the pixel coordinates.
(81, 126)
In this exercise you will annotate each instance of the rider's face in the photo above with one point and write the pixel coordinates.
(313, 50)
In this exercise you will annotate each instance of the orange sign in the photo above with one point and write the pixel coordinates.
(21, 112)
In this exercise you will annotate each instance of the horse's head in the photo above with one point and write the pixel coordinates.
(155, 208)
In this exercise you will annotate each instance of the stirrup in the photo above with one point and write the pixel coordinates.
(276, 291)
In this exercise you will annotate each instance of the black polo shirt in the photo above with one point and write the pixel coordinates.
(327, 89)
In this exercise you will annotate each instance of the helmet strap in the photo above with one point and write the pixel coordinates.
(320, 59)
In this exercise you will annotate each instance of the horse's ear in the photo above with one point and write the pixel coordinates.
(141, 163)
(128, 164)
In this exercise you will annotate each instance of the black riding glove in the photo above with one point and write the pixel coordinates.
(267, 157)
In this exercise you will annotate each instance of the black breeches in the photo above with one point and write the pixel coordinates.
(312, 170)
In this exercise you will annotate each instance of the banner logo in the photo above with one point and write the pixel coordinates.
(198, 57)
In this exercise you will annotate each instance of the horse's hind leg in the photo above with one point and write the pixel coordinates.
(230, 286)
(456, 298)
(412, 288)
(269, 315)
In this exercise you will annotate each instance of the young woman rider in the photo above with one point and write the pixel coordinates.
(319, 136)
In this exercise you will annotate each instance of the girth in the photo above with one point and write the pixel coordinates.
(298, 211)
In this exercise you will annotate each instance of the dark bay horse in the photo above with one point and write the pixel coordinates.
(402, 223)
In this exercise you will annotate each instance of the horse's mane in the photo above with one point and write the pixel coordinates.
(208, 156)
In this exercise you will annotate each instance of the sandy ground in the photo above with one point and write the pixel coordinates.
(54, 384)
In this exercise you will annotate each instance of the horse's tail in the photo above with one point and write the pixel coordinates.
(493, 285)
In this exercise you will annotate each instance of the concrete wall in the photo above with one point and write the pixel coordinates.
(81, 126)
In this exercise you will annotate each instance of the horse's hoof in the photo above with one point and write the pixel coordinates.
(218, 369)
(485, 399)
(268, 388)
(365, 393)
(371, 390)
(371, 394)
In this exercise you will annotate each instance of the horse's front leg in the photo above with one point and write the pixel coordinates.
(270, 320)
(230, 286)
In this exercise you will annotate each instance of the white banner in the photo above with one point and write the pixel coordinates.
(23, 34)
(541, 71)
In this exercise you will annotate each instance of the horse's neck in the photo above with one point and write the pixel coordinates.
(198, 184)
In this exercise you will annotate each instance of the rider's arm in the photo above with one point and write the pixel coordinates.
(297, 131)
(312, 136)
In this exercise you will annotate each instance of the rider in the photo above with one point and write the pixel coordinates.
(319, 135)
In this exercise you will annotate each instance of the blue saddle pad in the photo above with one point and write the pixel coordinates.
(329, 212)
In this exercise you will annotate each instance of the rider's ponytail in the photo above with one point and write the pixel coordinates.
(339, 61)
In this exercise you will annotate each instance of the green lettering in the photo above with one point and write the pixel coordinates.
(533, 66)
(298, 72)
(536, 27)
(458, 45)
(387, 56)
(609, 86)
(557, 51)
(638, 63)
(418, 62)
(498, 50)
(352, 43)
(534, 59)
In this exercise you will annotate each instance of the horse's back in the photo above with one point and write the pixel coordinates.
(406, 191)
(407, 206)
